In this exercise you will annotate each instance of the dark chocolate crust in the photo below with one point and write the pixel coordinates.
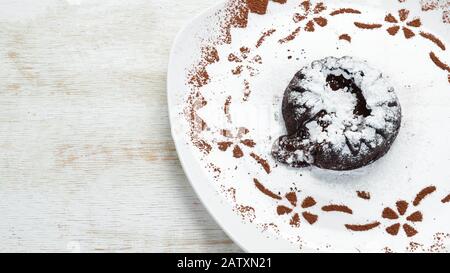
(300, 148)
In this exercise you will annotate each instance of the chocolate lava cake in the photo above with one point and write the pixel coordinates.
(340, 114)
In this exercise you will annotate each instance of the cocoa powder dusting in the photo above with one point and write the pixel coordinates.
(224, 145)
(337, 208)
(344, 11)
(363, 195)
(310, 26)
(410, 231)
(367, 26)
(233, 58)
(198, 76)
(388, 213)
(236, 16)
(210, 55)
(281, 210)
(393, 230)
(310, 218)
(415, 23)
(440, 243)
(246, 212)
(360, 228)
(226, 108)
(292, 198)
(196, 101)
(387, 250)
(308, 202)
(261, 162)
(226, 133)
(272, 226)
(429, 5)
(291, 36)
(446, 17)
(390, 18)
(433, 39)
(413, 247)
(446, 199)
(264, 35)
(247, 90)
(408, 33)
(265, 191)
(438, 62)
(258, 6)
(415, 217)
(402, 207)
(345, 37)
(231, 192)
(237, 152)
(423, 194)
(216, 170)
(202, 145)
(403, 13)
(321, 21)
(393, 30)
(237, 70)
(249, 143)
(295, 221)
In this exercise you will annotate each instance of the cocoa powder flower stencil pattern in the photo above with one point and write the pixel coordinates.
(295, 220)
(293, 208)
(235, 140)
(396, 24)
(245, 62)
(402, 23)
(402, 221)
(311, 14)
(398, 218)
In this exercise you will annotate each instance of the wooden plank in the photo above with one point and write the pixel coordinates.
(88, 163)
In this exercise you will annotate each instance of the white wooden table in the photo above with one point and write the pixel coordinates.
(87, 161)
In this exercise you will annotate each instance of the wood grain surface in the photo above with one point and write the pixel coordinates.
(87, 161)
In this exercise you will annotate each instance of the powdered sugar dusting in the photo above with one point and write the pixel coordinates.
(334, 121)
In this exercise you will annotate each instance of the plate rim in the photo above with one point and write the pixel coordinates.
(215, 207)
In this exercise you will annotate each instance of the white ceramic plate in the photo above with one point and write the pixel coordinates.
(227, 73)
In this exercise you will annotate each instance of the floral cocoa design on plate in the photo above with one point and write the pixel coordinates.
(309, 13)
(401, 218)
(406, 223)
(245, 62)
(197, 125)
(293, 210)
(234, 140)
(403, 22)
(296, 210)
